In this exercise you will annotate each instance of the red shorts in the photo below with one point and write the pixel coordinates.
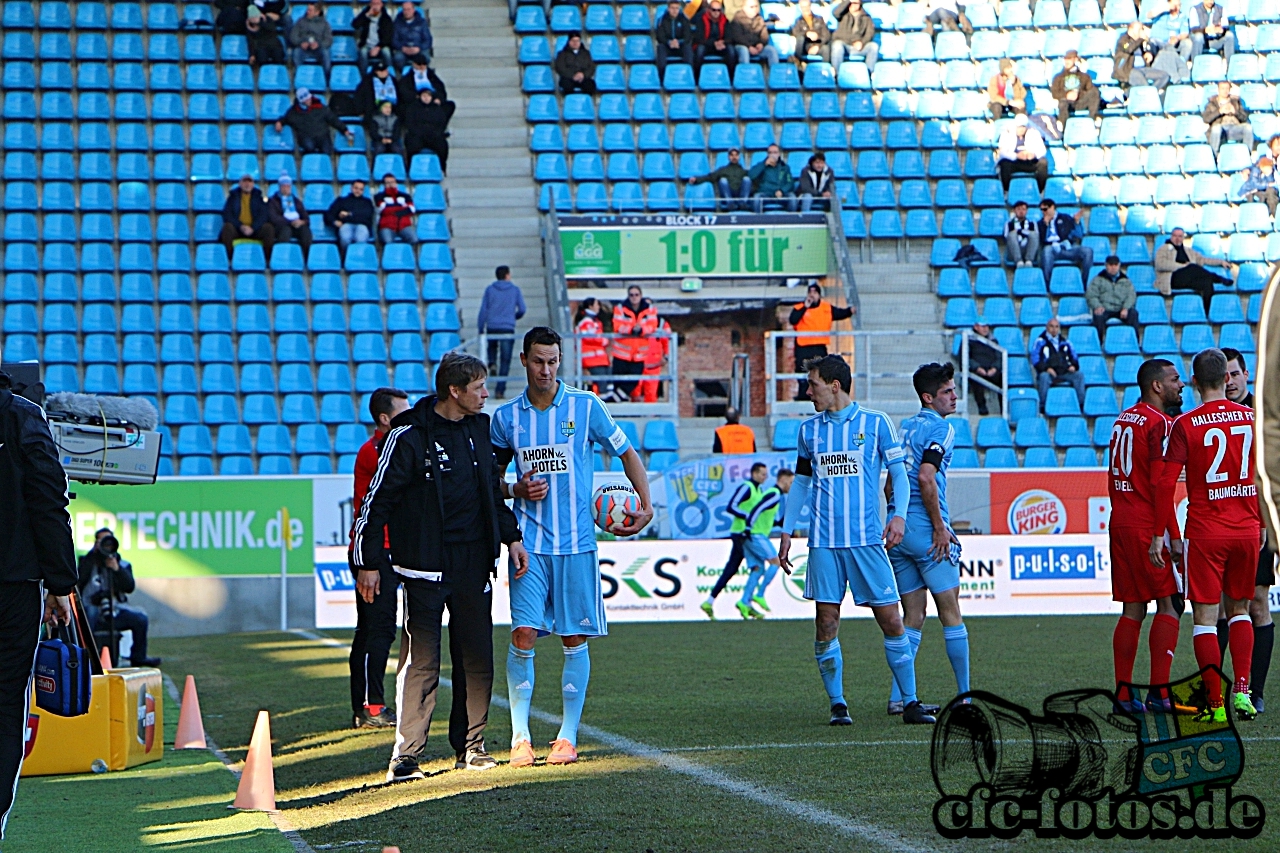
(1215, 567)
(1133, 578)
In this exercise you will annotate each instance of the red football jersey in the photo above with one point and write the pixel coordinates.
(1215, 443)
(1137, 448)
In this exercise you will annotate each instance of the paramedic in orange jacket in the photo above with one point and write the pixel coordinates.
(633, 320)
(591, 343)
(814, 316)
(657, 351)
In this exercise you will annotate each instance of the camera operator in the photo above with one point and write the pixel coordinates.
(103, 572)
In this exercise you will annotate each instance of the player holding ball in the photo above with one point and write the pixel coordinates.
(551, 431)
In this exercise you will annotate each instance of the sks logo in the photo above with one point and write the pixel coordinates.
(146, 718)
(630, 573)
(1084, 767)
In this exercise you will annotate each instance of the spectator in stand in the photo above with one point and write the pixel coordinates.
(311, 118)
(244, 217)
(1171, 37)
(352, 216)
(1226, 116)
(411, 37)
(396, 213)
(1180, 267)
(634, 319)
(731, 182)
(312, 37)
(374, 31)
(656, 355)
(384, 137)
(1021, 237)
(419, 77)
(263, 37)
(1210, 30)
(711, 37)
(231, 16)
(772, 183)
(673, 37)
(1111, 295)
(1260, 184)
(500, 307)
(984, 363)
(377, 86)
(814, 317)
(1074, 90)
(1021, 149)
(1055, 362)
(749, 36)
(734, 436)
(1130, 47)
(288, 215)
(947, 13)
(575, 67)
(812, 35)
(1056, 241)
(426, 123)
(855, 35)
(1005, 92)
(594, 348)
(817, 181)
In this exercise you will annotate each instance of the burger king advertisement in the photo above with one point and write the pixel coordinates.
(1053, 502)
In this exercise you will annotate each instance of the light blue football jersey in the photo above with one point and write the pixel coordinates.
(927, 431)
(845, 452)
(557, 446)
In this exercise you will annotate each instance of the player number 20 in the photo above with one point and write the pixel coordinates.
(1121, 450)
(1218, 439)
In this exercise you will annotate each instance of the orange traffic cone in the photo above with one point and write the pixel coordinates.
(105, 657)
(190, 725)
(257, 791)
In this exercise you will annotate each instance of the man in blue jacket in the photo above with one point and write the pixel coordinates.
(1055, 362)
(245, 217)
(1057, 244)
(410, 36)
(500, 307)
(772, 182)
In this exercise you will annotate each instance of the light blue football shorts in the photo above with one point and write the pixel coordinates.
(865, 571)
(560, 594)
(914, 566)
(758, 550)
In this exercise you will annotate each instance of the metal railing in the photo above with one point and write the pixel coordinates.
(555, 280)
(839, 244)
(967, 378)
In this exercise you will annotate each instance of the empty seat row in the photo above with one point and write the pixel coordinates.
(209, 166)
(175, 77)
(131, 47)
(248, 257)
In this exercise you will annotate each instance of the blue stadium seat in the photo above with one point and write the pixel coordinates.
(1196, 338)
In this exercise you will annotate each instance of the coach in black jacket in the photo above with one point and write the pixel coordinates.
(37, 566)
(437, 490)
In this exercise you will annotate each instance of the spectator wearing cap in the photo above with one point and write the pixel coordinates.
(311, 118)
(244, 217)
(1111, 296)
(1021, 237)
(396, 213)
(352, 216)
(1021, 149)
(854, 36)
(262, 35)
(672, 37)
(575, 67)
(1006, 92)
(731, 182)
(1056, 242)
(374, 31)
(426, 123)
(419, 76)
(312, 37)
(288, 215)
(1260, 184)
(1074, 90)
(411, 37)
(377, 86)
(817, 182)
(1226, 117)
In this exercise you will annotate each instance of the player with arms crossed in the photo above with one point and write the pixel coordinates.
(551, 430)
(924, 556)
(1141, 570)
(841, 452)
(1214, 441)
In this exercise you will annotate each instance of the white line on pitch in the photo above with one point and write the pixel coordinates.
(760, 794)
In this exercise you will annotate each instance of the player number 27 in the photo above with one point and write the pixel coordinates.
(1218, 438)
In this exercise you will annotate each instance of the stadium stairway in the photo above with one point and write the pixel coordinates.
(492, 196)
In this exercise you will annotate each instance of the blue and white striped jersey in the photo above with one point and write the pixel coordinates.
(845, 452)
(557, 446)
(927, 435)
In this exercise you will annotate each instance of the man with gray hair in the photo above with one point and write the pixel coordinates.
(444, 551)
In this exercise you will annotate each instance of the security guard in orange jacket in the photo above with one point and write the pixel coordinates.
(657, 349)
(591, 343)
(813, 316)
(633, 320)
(734, 437)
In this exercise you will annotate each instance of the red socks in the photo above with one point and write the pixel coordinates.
(1124, 648)
(1240, 639)
(1163, 640)
(1205, 640)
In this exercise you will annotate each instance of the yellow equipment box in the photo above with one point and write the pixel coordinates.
(124, 727)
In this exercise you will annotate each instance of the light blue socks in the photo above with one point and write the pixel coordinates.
(902, 661)
(573, 687)
(753, 586)
(520, 691)
(831, 668)
(913, 636)
(957, 640)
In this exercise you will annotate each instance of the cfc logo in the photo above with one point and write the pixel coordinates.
(1037, 511)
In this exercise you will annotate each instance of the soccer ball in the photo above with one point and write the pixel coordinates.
(612, 503)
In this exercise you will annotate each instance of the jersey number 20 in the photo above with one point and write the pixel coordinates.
(1121, 450)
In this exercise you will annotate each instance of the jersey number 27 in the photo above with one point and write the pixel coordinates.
(1217, 439)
